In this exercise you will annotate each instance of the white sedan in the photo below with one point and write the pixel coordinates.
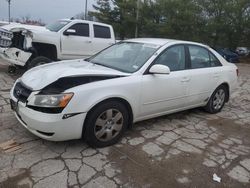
(99, 98)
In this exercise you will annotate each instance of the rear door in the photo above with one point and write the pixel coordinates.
(103, 37)
(205, 72)
(78, 44)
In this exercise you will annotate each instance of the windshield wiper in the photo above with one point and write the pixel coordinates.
(95, 63)
(87, 59)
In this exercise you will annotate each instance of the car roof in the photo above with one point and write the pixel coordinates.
(156, 41)
(84, 21)
(160, 41)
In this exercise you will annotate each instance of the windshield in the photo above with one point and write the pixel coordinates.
(56, 26)
(125, 56)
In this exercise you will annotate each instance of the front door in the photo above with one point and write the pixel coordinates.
(77, 44)
(166, 93)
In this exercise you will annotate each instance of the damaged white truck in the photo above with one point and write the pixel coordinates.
(30, 46)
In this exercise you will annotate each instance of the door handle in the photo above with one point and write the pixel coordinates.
(185, 79)
(88, 41)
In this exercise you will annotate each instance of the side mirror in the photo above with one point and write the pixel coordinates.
(159, 69)
(69, 32)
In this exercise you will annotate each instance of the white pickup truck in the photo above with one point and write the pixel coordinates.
(64, 39)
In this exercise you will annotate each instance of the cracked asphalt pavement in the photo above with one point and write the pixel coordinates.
(179, 150)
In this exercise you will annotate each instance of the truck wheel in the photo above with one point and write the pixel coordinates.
(40, 60)
(105, 124)
(11, 69)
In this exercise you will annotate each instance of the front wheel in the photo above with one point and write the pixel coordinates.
(217, 100)
(105, 124)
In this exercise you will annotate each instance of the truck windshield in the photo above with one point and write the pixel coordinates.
(125, 56)
(56, 26)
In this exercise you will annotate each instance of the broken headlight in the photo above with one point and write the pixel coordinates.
(51, 101)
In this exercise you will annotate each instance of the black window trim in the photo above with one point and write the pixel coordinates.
(76, 24)
(104, 27)
(209, 52)
(174, 45)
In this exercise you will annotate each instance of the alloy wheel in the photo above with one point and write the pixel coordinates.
(219, 99)
(108, 125)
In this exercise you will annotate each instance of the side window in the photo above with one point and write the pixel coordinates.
(199, 57)
(214, 61)
(102, 32)
(81, 29)
(173, 57)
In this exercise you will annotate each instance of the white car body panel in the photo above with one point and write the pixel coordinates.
(169, 96)
(72, 47)
(50, 123)
(148, 95)
(53, 71)
(11, 55)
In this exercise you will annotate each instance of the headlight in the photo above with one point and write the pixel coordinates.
(52, 101)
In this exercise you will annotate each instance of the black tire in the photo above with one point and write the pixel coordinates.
(40, 60)
(11, 69)
(211, 106)
(91, 129)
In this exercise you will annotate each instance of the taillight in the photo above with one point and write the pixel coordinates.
(237, 72)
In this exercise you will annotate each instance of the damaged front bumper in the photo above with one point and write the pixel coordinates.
(53, 127)
(11, 53)
(15, 56)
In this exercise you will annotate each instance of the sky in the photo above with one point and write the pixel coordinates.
(46, 10)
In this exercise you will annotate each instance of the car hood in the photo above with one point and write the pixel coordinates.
(15, 27)
(41, 76)
(35, 32)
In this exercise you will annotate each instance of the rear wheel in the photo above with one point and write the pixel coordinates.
(217, 100)
(106, 124)
(40, 60)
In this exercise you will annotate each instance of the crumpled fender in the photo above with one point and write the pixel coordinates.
(15, 56)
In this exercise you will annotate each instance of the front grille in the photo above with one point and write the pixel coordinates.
(21, 92)
(5, 38)
(56, 110)
(4, 42)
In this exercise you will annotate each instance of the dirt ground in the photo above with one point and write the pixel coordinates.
(179, 150)
(245, 60)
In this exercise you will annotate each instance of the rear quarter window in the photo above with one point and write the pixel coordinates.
(102, 32)
(201, 57)
(214, 61)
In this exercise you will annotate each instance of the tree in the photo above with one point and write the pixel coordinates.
(104, 12)
(239, 21)
(121, 15)
(222, 23)
(83, 16)
(227, 21)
